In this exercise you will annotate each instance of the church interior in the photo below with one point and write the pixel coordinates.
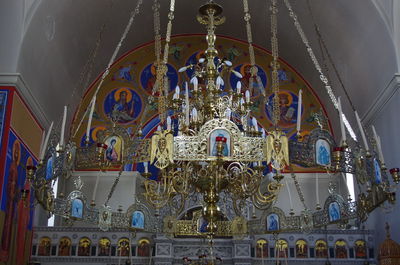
(207, 132)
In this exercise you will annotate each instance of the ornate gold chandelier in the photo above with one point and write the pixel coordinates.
(220, 150)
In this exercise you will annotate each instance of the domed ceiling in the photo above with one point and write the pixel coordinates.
(60, 36)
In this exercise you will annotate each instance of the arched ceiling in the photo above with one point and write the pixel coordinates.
(61, 34)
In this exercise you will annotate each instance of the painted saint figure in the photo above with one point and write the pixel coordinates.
(225, 149)
(123, 110)
(334, 212)
(272, 223)
(138, 220)
(111, 153)
(77, 208)
(323, 156)
(11, 193)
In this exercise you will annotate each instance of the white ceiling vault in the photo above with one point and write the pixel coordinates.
(50, 41)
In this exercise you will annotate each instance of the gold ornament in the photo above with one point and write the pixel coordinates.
(162, 149)
(277, 150)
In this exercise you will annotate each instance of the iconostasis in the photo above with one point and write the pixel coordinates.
(129, 89)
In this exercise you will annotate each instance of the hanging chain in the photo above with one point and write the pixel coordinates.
(311, 53)
(247, 18)
(325, 49)
(114, 55)
(162, 69)
(299, 191)
(110, 194)
(275, 65)
(157, 34)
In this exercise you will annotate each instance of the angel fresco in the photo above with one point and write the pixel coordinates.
(161, 149)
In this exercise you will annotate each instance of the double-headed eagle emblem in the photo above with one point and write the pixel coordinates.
(277, 150)
(161, 153)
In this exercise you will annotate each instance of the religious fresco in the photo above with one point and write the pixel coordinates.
(123, 105)
(18, 211)
(123, 247)
(341, 249)
(361, 249)
(143, 247)
(148, 78)
(44, 246)
(281, 248)
(84, 247)
(64, 247)
(126, 94)
(104, 246)
(321, 249)
(301, 249)
(262, 248)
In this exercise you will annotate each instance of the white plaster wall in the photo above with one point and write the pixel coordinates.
(387, 124)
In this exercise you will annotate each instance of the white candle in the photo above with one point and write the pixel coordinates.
(195, 83)
(159, 128)
(146, 167)
(46, 141)
(299, 111)
(187, 109)
(219, 82)
(362, 131)
(238, 87)
(247, 94)
(263, 134)
(228, 113)
(378, 145)
(254, 210)
(169, 123)
(341, 120)
(380, 151)
(194, 114)
(317, 187)
(242, 104)
(290, 195)
(159, 187)
(177, 90)
(64, 120)
(90, 119)
(255, 124)
(42, 143)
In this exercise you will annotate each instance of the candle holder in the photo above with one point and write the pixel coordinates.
(92, 203)
(383, 167)
(101, 147)
(391, 197)
(318, 207)
(337, 155)
(278, 177)
(146, 174)
(61, 195)
(395, 174)
(344, 144)
(291, 212)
